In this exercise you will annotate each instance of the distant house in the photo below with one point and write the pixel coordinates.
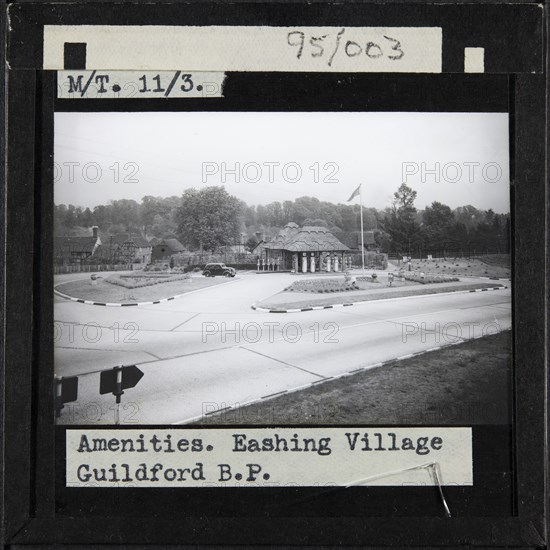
(76, 250)
(232, 249)
(353, 240)
(166, 248)
(258, 248)
(128, 248)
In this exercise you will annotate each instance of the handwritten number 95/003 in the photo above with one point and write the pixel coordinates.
(328, 45)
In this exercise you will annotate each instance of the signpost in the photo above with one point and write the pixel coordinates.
(65, 391)
(118, 379)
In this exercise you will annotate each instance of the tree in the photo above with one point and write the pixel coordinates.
(102, 215)
(70, 216)
(404, 197)
(400, 222)
(468, 215)
(59, 218)
(127, 213)
(314, 222)
(153, 207)
(437, 220)
(208, 218)
(438, 216)
(87, 218)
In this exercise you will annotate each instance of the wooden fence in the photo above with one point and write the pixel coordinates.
(85, 268)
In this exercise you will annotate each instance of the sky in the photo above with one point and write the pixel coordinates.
(453, 158)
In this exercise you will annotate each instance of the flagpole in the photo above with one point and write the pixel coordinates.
(362, 237)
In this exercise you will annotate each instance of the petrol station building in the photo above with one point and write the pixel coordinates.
(307, 249)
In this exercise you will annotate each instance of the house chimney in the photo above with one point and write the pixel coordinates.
(94, 231)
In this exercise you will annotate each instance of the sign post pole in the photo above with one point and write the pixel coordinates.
(118, 394)
(116, 380)
(65, 391)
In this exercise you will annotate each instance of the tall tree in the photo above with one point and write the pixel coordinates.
(438, 220)
(209, 217)
(400, 222)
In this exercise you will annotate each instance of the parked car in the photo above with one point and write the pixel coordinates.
(211, 270)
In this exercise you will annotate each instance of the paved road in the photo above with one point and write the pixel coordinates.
(210, 350)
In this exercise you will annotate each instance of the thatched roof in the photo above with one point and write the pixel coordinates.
(310, 238)
(173, 244)
(68, 245)
(127, 238)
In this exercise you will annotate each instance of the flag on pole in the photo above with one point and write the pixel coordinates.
(355, 193)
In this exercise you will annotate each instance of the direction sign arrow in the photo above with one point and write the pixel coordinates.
(66, 390)
(118, 379)
(131, 375)
(69, 389)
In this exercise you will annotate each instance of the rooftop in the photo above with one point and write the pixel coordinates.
(310, 238)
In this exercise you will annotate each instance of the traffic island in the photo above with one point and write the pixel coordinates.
(296, 301)
(99, 292)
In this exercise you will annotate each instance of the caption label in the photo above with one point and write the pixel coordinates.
(138, 84)
(268, 457)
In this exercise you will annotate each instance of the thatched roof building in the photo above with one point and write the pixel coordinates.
(310, 238)
(302, 249)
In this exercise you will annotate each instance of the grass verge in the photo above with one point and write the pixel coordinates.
(465, 384)
(294, 300)
(106, 292)
(486, 266)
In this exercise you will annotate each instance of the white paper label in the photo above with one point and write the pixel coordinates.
(268, 457)
(249, 48)
(138, 84)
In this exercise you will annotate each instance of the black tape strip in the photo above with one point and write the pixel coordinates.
(74, 56)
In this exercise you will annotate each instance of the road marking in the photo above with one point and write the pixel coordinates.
(218, 410)
(101, 349)
(322, 380)
(487, 305)
(186, 321)
(332, 378)
(121, 329)
(262, 342)
(269, 396)
(172, 357)
(153, 355)
(282, 362)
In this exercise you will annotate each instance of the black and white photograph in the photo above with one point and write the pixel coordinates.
(282, 268)
(275, 274)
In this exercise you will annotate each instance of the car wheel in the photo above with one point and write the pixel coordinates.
(207, 273)
(228, 274)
